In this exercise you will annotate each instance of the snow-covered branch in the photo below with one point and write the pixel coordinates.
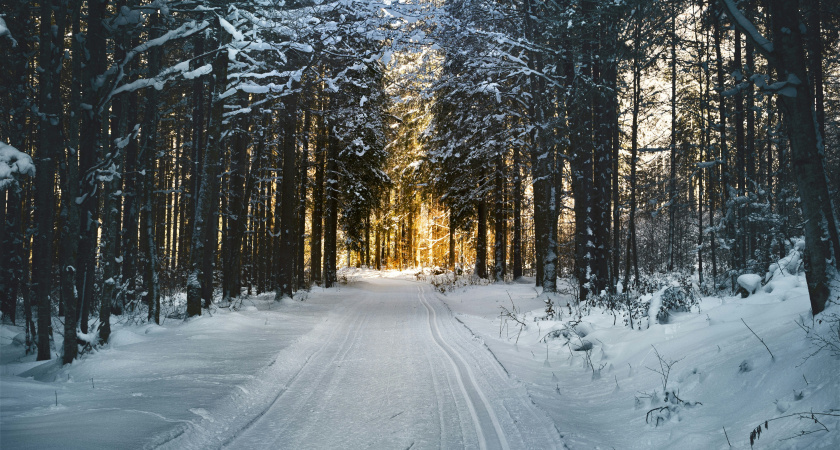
(762, 44)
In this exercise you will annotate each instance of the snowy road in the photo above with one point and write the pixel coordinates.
(394, 370)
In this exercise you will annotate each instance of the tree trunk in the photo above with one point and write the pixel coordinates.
(13, 125)
(451, 255)
(377, 257)
(202, 248)
(240, 186)
(500, 219)
(822, 240)
(481, 241)
(632, 257)
(316, 228)
(739, 256)
(517, 216)
(725, 182)
(147, 159)
(541, 164)
(604, 121)
(331, 212)
(751, 156)
(49, 140)
(672, 185)
(91, 139)
(69, 216)
(303, 181)
(289, 203)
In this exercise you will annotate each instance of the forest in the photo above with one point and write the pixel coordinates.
(161, 157)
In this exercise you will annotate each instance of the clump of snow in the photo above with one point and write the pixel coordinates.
(4, 31)
(236, 34)
(750, 282)
(13, 163)
(201, 71)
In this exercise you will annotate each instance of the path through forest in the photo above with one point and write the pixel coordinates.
(394, 370)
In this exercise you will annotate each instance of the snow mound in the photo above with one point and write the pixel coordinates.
(750, 282)
(124, 336)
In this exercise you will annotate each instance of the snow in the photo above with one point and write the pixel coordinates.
(4, 31)
(236, 34)
(747, 27)
(388, 361)
(721, 365)
(13, 163)
(750, 282)
(203, 70)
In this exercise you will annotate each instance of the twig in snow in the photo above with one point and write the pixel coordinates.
(807, 415)
(772, 358)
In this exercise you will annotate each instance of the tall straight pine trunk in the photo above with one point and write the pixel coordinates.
(202, 247)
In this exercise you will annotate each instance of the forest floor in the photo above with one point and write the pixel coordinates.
(386, 361)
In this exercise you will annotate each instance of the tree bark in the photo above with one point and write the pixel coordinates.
(331, 211)
(202, 248)
(500, 219)
(49, 139)
(69, 214)
(517, 216)
(672, 184)
(147, 159)
(289, 203)
(481, 240)
(303, 182)
(239, 192)
(15, 91)
(316, 227)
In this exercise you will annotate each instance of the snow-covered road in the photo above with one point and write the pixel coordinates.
(394, 370)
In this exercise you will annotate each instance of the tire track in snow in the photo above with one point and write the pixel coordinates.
(525, 423)
(480, 408)
(352, 327)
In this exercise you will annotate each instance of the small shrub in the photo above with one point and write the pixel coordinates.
(630, 306)
(680, 297)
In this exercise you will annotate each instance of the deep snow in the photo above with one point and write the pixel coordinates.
(388, 362)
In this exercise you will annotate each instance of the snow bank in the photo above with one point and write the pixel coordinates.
(600, 381)
(150, 381)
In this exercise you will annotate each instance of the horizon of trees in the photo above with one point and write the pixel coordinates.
(214, 147)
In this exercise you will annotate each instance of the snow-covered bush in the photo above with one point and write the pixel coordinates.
(654, 296)
(449, 281)
(631, 306)
(680, 297)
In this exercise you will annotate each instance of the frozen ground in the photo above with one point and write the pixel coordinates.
(388, 362)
